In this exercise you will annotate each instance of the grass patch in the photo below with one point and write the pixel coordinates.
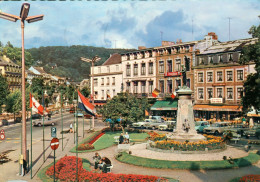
(45, 178)
(190, 165)
(107, 140)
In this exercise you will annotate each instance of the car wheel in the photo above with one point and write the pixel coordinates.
(216, 133)
(198, 131)
(153, 127)
(39, 124)
(52, 124)
(242, 133)
(142, 127)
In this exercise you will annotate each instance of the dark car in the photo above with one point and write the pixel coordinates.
(4, 122)
(18, 120)
(36, 116)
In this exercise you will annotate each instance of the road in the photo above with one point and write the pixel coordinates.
(12, 139)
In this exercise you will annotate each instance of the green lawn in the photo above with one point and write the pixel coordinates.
(107, 140)
(190, 165)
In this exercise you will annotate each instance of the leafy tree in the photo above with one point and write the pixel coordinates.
(37, 88)
(126, 106)
(14, 102)
(4, 91)
(85, 91)
(251, 53)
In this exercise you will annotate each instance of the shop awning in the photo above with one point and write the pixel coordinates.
(216, 108)
(165, 105)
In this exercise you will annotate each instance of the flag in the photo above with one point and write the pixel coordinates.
(108, 96)
(173, 95)
(155, 92)
(85, 105)
(36, 107)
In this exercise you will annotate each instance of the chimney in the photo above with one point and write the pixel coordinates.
(180, 41)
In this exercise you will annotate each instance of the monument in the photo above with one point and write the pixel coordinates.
(185, 127)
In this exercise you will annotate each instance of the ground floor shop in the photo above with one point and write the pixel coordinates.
(165, 108)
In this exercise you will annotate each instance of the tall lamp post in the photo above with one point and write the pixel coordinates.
(93, 60)
(30, 19)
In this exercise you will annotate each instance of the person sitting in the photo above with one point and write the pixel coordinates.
(96, 158)
(121, 139)
(71, 130)
(126, 138)
(104, 164)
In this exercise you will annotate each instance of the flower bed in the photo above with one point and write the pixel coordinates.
(96, 138)
(212, 143)
(156, 137)
(65, 170)
(250, 178)
(88, 144)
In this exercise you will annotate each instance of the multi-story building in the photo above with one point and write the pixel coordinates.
(139, 72)
(29, 75)
(12, 73)
(219, 78)
(107, 78)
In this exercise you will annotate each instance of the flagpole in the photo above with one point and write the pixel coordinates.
(83, 125)
(61, 120)
(43, 127)
(31, 139)
(77, 140)
(74, 119)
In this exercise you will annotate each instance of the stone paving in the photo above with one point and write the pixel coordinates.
(10, 170)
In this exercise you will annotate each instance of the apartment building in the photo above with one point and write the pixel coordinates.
(219, 78)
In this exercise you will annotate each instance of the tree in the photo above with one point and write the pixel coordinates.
(251, 53)
(85, 91)
(4, 91)
(14, 102)
(37, 87)
(126, 106)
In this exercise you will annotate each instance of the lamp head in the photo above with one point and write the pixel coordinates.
(24, 11)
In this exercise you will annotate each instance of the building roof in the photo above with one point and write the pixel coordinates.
(6, 61)
(229, 46)
(113, 59)
(40, 69)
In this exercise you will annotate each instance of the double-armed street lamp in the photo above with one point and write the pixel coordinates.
(30, 19)
(92, 61)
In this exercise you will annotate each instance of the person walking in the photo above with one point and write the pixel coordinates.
(71, 130)
(96, 159)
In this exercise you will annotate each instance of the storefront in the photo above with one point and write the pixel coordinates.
(166, 108)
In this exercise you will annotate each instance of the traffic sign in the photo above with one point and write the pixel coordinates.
(53, 132)
(2, 136)
(54, 143)
(2, 131)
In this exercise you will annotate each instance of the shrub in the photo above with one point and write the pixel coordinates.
(250, 178)
(85, 146)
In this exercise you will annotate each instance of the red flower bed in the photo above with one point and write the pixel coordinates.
(250, 178)
(96, 138)
(65, 170)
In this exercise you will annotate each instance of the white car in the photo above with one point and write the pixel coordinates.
(168, 125)
(142, 123)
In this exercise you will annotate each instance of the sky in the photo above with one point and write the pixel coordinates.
(129, 24)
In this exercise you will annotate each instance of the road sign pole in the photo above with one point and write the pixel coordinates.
(43, 145)
(74, 120)
(77, 142)
(31, 143)
(54, 168)
(61, 121)
(54, 146)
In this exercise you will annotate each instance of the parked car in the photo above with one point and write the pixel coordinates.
(200, 125)
(18, 120)
(239, 129)
(36, 116)
(217, 128)
(141, 124)
(79, 114)
(4, 122)
(168, 125)
(153, 125)
(252, 132)
(46, 122)
(72, 110)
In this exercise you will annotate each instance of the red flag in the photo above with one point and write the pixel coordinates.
(108, 96)
(173, 96)
(36, 107)
(155, 92)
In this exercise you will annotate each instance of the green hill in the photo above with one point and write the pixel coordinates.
(65, 61)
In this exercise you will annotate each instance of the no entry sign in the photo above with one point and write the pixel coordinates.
(54, 143)
(2, 134)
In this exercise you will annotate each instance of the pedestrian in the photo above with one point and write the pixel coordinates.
(251, 123)
(71, 130)
(104, 164)
(96, 159)
(121, 138)
(126, 136)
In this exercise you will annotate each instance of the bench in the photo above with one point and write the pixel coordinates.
(123, 147)
(116, 139)
(236, 138)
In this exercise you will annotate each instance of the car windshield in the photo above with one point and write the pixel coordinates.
(216, 125)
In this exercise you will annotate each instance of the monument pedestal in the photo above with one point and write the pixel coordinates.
(185, 127)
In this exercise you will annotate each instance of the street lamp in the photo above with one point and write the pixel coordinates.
(93, 60)
(23, 16)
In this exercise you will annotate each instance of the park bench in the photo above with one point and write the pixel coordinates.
(236, 138)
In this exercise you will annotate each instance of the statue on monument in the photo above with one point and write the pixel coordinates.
(184, 78)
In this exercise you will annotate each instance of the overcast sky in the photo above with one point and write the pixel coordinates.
(129, 24)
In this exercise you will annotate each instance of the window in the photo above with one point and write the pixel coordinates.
(230, 56)
(143, 69)
(107, 80)
(188, 83)
(178, 65)
(209, 76)
(239, 75)
(178, 50)
(143, 87)
(210, 93)
(187, 48)
(219, 93)
(96, 94)
(200, 93)
(229, 75)
(135, 69)
(169, 86)
(117, 67)
(187, 64)
(200, 77)
(108, 69)
(161, 86)
(239, 92)
(161, 66)
(219, 76)
(135, 87)
(102, 81)
(114, 92)
(169, 65)
(150, 68)
(127, 86)
(99, 70)
(95, 82)
(220, 58)
(128, 70)
(210, 59)
(177, 84)
(230, 93)
(113, 80)
(150, 87)
(103, 93)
